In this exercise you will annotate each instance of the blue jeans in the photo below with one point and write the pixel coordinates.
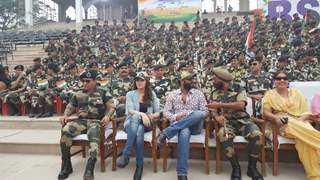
(190, 125)
(135, 136)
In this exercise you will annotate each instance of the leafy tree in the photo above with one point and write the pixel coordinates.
(11, 14)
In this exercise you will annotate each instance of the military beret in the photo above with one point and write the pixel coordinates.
(21, 67)
(91, 74)
(37, 59)
(54, 67)
(223, 74)
(283, 58)
(72, 66)
(37, 66)
(187, 75)
(123, 64)
(92, 64)
(171, 61)
(182, 65)
(158, 66)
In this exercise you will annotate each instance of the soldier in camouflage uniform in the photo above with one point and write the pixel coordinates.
(16, 94)
(172, 75)
(160, 84)
(236, 70)
(228, 104)
(73, 83)
(283, 65)
(118, 88)
(37, 81)
(95, 109)
(256, 83)
(300, 72)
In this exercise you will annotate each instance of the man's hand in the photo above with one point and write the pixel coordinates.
(64, 120)
(180, 116)
(105, 121)
(220, 119)
(122, 99)
(214, 105)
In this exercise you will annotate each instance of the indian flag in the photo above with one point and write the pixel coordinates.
(62, 84)
(103, 84)
(42, 84)
(304, 23)
(250, 35)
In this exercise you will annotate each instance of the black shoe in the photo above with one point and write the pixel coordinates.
(88, 174)
(123, 161)
(236, 170)
(161, 139)
(138, 173)
(252, 169)
(47, 114)
(182, 178)
(66, 168)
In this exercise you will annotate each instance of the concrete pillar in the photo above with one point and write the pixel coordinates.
(62, 11)
(225, 5)
(215, 6)
(86, 14)
(29, 12)
(244, 5)
(79, 15)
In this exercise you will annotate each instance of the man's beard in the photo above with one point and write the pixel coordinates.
(218, 85)
(188, 86)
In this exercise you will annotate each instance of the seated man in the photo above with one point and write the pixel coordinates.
(94, 108)
(186, 109)
(228, 106)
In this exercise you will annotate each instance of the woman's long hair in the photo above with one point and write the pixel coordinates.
(147, 98)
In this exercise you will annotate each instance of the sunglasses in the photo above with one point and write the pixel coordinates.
(281, 78)
(86, 81)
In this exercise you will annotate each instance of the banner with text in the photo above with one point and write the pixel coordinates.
(278, 8)
(169, 10)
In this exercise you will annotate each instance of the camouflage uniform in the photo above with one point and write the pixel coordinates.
(174, 79)
(238, 74)
(161, 87)
(92, 108)
(13, 98)
(258, 85)
(238, 122)
(119, 87)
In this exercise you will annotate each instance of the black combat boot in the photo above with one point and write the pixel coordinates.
(236, 170)
(252, 169)
(138, 173)
(47, 111)
(40, 112)
(66, 166)
(88, 174)
(32, 112)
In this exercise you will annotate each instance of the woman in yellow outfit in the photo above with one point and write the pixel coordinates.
(283, 102)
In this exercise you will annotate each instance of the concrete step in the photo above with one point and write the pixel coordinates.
(16, 53)
(29, 141)
(24, 122)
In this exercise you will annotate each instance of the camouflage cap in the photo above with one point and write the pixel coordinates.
(187, 75)
(223, 74)
(142, 75)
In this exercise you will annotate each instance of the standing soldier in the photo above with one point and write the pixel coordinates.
(118, 88)
(16, 94)
(300, 72)
(172, 75)
(229, 111)
(95, 109)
